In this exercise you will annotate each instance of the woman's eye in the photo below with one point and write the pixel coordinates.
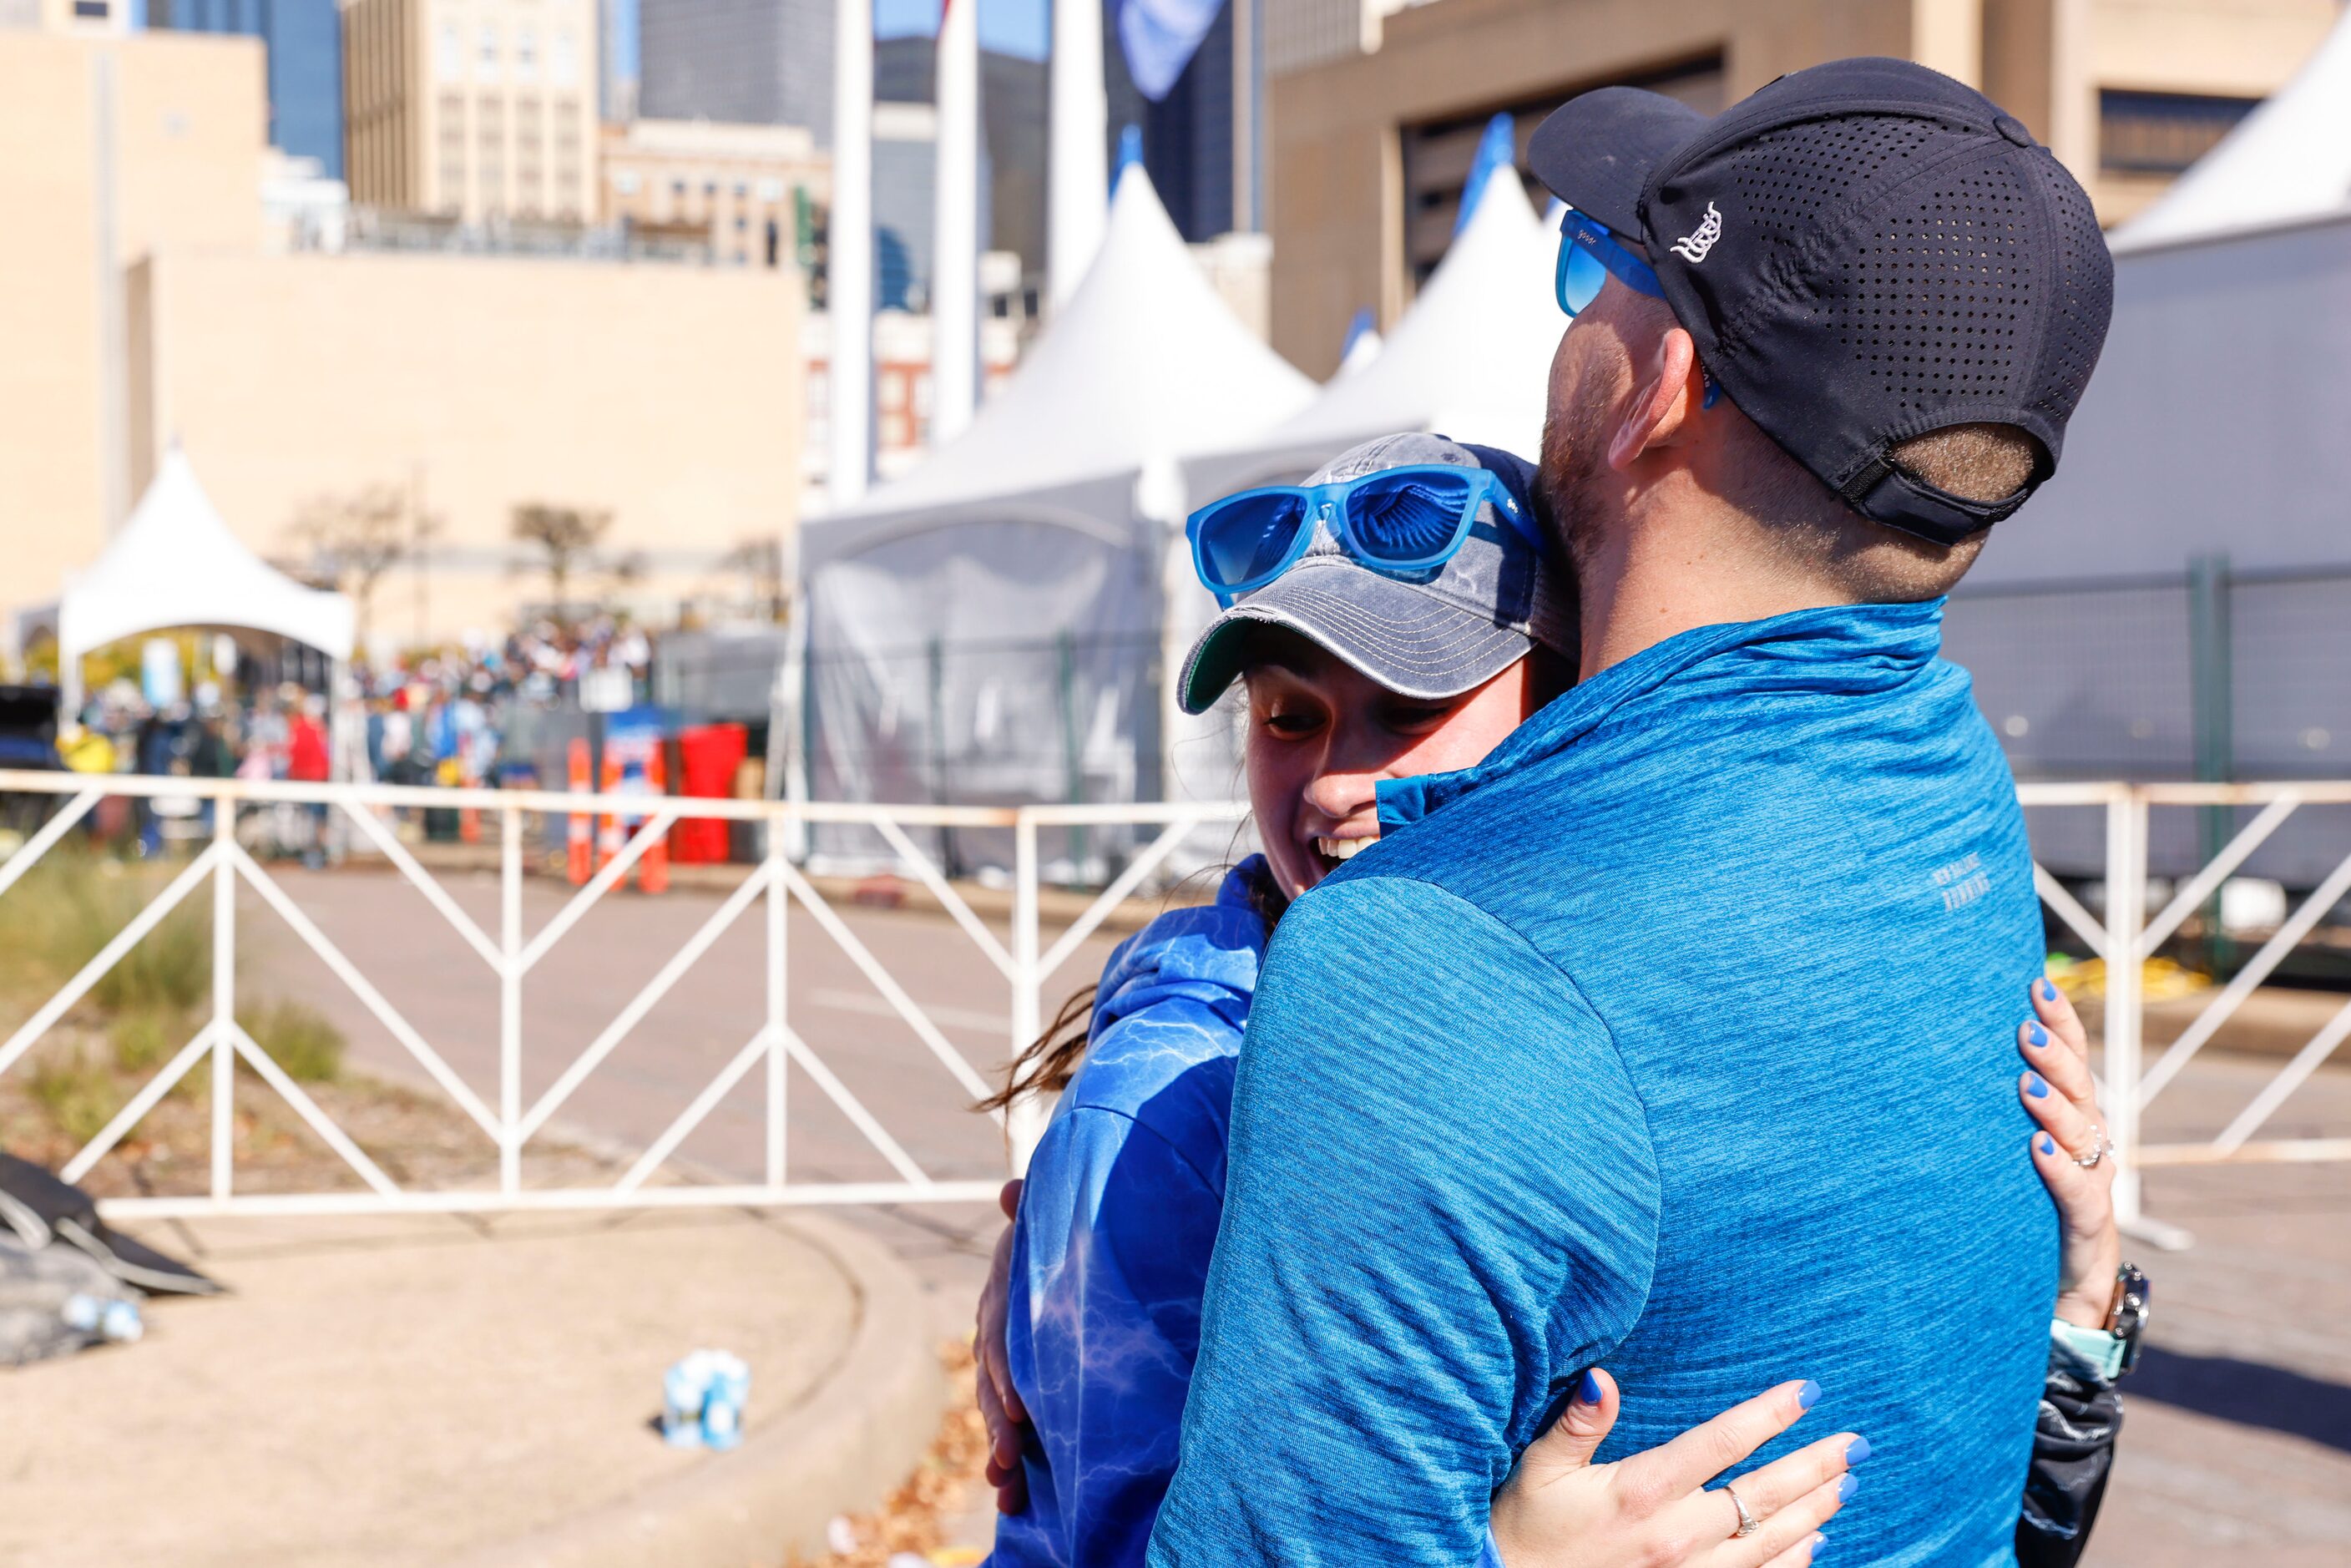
(1290, 723)
(1415, 720)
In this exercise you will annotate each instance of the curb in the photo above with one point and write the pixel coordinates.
(841, 1448)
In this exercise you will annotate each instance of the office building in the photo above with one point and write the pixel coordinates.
(751, 62)
(751, 193)
(304, 45)
(88, 17)
(1372, 138)
(478, 110)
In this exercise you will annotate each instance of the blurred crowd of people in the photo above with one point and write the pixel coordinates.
(444, 717)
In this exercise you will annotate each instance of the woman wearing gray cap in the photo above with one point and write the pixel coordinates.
(1396, 615)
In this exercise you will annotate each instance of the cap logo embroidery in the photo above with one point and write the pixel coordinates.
(1692, 246)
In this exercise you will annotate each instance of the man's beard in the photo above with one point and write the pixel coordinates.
(1569, 475)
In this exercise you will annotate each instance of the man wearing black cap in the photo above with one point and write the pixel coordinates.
(1677, 1040)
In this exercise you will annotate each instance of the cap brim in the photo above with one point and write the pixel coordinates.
(1383, 629)
(1595, 151)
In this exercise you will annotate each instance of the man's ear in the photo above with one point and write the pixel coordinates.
(1665, 402)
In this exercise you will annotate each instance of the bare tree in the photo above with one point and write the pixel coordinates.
(354, 538)
(567, 538)
(760, 560)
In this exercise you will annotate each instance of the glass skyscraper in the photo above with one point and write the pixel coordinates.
(305, 43)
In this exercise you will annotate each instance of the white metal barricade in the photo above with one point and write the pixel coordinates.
(2126, 931)
(773, 884)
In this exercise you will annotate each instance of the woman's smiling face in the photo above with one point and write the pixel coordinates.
(1322, 735)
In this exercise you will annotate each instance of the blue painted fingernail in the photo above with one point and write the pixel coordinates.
(1813, 1554)
(1856, 1450)
(1847, 1487)
(1588, 1391)
(2048, 990)
(1809, 1394)
(2036, 1086)
(2034, 1033)
(2048, 1147)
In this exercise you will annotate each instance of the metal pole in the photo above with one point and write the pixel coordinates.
(2125, 918)
(955, 240)
(1072, 750)
(510, 999)
(1024, 1123)
(848, 268)
(224, 997)
(935, 660)
(1077, 204)
(2210, 706)
(778, 907)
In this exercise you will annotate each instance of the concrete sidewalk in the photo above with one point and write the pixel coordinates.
(426, 1390)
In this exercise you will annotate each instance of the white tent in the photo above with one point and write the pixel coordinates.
(175, 563)
(996, 624)
(1471, 360)
(2289, 160)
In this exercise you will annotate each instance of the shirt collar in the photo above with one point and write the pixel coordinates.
(1844, 646)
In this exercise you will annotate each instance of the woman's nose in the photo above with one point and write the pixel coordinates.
(1339, 793)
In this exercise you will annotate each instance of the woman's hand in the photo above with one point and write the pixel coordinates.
(1559, 1510)
(1000, 1409)
(2060, 1095)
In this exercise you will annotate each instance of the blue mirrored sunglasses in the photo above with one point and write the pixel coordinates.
(1400, 522)
(1589, 254)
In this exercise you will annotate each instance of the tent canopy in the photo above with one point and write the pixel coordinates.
(2289, 160)
(1471, 359)
(175, 563)
(1145, 365)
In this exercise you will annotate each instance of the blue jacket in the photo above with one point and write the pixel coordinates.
(1111, 1252)
(1677, 1040)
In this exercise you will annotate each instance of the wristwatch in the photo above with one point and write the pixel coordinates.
(2112, 1350)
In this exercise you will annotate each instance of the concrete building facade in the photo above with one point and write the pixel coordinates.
(751, 192)
(1371, 141)
(472, 109)
(669, 396)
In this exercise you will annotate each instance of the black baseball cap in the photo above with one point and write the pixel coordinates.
(1864, 252)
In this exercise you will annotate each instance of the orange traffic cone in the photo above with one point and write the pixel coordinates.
(578, 843)
(653, 869)
(609, 838)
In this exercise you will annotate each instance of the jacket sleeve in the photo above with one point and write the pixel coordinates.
(1117, 1235)
(2073, 1454)
(1440, 1206)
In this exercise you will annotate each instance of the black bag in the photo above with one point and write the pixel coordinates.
(41, 1209)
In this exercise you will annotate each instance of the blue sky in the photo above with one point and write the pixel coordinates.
(1012, 26)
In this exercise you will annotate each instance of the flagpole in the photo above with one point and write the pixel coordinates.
(1079, 202)
(954, 246)
(849, 272)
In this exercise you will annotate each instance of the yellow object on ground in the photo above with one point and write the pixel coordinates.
(2160, 979)
(85, 750)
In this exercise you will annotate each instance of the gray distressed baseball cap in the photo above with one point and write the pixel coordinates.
(1488, 606)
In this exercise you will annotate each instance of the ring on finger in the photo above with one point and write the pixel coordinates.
(1748, 1523)
(2099, 1146)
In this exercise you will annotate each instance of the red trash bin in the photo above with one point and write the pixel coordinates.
(707, 756)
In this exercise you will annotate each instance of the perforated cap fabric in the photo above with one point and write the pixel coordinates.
(1863, 252)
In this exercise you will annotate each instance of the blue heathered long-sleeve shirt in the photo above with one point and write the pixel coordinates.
(1674, 1039)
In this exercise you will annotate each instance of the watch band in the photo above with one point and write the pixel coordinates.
(2095, 1352)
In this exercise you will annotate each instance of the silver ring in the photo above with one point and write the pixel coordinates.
(1747, 1522)
(2099, 1148)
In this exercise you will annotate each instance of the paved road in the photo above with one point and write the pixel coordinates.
(2238, 1448)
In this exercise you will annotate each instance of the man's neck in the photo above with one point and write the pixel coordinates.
(1676, 568)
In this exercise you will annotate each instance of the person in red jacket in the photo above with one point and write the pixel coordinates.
(307, 762)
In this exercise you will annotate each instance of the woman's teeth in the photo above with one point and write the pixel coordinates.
(1343, 849)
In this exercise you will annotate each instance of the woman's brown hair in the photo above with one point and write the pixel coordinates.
(1048, 1063)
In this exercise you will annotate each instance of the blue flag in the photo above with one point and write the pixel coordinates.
(1497, 150)
(1159, 38)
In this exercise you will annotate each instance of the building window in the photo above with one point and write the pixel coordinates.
(2163, 133)
(563, 61)
(90, 10)
(626, 183)
(526, 55)
(486, 53)
(449, 54)
(771, 190)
